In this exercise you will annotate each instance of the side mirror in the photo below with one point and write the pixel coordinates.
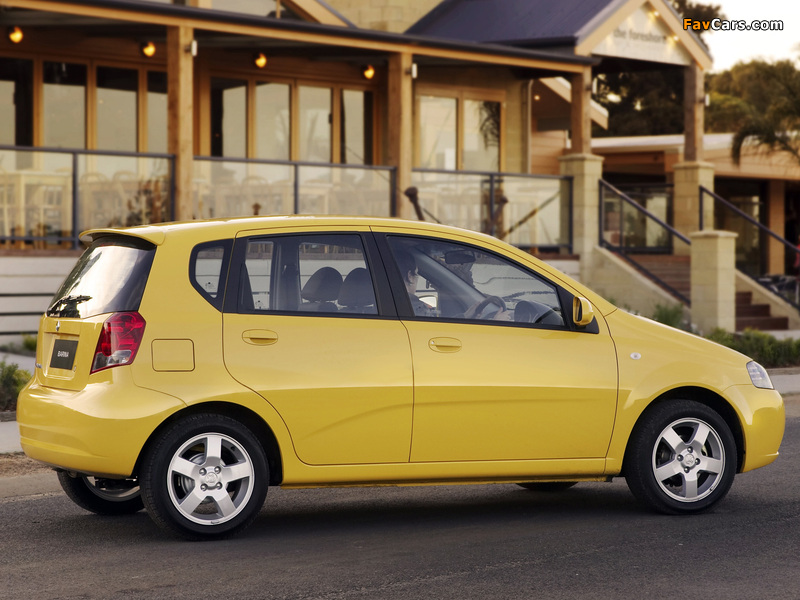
(582, 311)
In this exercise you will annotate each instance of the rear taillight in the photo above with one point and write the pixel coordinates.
(119, 340)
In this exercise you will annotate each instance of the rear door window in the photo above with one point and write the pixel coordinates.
(306, 273)
(109, 277)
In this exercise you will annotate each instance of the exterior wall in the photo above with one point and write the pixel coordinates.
(546, 148)
(384, 15)
(25, 274)
(620, 283)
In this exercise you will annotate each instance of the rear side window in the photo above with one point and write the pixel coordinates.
(109, 277)
(306, 273)
(208, 266)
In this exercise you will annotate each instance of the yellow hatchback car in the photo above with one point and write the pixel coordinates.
(187, 367)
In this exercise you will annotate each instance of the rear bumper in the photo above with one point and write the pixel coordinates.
(93, 431)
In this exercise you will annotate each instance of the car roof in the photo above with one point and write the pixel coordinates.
(230, 227)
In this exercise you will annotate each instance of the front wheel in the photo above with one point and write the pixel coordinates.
(102, 496)
(681, 459)
(205, 477)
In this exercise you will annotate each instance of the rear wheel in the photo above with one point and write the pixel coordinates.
(205, 477)
(102, 496)
(681, 459)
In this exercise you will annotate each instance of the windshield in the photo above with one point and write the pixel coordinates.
(109, 277)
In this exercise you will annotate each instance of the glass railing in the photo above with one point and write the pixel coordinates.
(639, 236)
(752, 239)
(229, 187)
(47, 197)
(528, 211)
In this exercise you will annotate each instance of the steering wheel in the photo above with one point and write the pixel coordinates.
(477, 312)
(529, 312)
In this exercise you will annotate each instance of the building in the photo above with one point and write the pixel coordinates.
(120, 112)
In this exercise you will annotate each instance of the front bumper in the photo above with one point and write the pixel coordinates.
(763, 420)
(99, 430)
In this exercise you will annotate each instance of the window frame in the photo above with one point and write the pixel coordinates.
(384, 300)
(460, 95)
(405, 310)
(336, 88)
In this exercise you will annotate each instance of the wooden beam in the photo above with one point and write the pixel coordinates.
(180, 111)
(693, 111)
(399, 102)
(348, 38)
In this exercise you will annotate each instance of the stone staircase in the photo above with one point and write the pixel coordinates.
(756, 316)
(675, 271)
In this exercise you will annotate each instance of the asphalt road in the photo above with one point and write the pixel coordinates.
(453, 542)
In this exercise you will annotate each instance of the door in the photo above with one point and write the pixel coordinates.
(304, 330)
(499, 372)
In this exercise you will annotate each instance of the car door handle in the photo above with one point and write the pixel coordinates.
(444, 344)
(260, 337)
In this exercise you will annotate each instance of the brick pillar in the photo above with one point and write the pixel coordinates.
(586, 171)
(689, 176)
(713, 278)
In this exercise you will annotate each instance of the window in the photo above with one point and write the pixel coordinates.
(156, 111)
(228, 117)
(116, 109)
(315, 124)
(309, 274)
(206, 267)
(451, 281)
(287, 120)
(16, 102)
(456, 131)
(64, 105)
(273, 125)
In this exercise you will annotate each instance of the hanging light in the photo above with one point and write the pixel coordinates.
(260, 60)
(148, 49)
(368, 72)
(15, 34)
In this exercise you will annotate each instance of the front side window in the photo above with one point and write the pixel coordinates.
(453, 281)
(324, 274)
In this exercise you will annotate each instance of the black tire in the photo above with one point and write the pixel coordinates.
(102, 496)
(548, 486)
(200, 494)
(681, 458)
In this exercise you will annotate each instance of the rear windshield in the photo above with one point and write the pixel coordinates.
(109, 277)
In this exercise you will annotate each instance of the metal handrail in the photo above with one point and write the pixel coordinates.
(623, 196)
(621, 249)
(745, 216)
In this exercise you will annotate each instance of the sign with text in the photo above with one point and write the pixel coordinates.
(644, 36)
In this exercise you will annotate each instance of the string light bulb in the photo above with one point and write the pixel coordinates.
(149, 49)
(15, 34)
(368, 72)
(260, 60)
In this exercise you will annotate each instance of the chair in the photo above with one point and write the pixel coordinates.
(96, 201)
(357, 295)
(321, 291)
(128, 207)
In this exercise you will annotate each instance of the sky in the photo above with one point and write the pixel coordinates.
(730, 47)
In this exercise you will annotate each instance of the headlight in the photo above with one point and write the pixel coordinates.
(759, 376)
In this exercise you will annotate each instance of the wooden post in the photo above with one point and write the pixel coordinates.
(693, 113)
(581, 119)
(180, 114)
(400, 99)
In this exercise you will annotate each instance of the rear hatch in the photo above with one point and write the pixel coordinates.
(93, 322)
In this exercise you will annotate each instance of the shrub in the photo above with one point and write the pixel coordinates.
(761, 347)
(12, 380)
(669, 315)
